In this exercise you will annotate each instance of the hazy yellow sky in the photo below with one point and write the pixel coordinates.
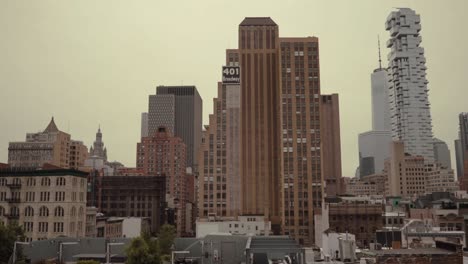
(94, 62)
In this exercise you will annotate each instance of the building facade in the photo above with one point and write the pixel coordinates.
(413, 175)
(165, 155)
(219, 175)
(134, 196)
(331, 144)
(179, 108)
(46, 203)
(442, 153)
(260, 118)
(144, 125)
(408, 94)
(302, 137)
(78, 154)
(360, 219)
(50, 146)
(461, 147)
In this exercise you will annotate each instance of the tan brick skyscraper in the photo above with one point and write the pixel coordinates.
(302, 181)
(260, 119)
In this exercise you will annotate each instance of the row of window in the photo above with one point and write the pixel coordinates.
(43, 211)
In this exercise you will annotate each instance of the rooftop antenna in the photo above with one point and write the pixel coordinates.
(380, 59)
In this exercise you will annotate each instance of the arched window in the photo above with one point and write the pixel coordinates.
(45, 181)
(73, 211)
(60, 181)
(81, 212)
(43, 211)
(59, 211)
(2, 211)
(29, 211)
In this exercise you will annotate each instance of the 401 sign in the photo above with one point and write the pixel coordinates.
(231, 74)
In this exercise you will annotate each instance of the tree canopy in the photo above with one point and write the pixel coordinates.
(8, 235)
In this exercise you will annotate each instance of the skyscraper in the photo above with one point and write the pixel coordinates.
(461, 146)
(163, 154)
(408, 94)
(374, 145)
(179, 109)
(219, 174)
(302, 135)
(331, 144)
(442, 153)
(260, 119)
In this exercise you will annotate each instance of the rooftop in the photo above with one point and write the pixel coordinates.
(257, 21)
(412, 251)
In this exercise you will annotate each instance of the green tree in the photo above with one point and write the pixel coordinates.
(138, 252)
(8, 235)
(166, 237)
(153, 247)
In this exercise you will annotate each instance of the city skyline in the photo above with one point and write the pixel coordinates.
(33, 74)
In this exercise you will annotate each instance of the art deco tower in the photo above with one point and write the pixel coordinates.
(260, 119)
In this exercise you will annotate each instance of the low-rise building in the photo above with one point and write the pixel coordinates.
(360, 218)
(135, 196)
(47, 203)
(117, 227)
(243, 225)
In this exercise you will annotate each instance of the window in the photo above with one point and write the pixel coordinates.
(60, 181)
(45, 196)
(59, 212)
(43, 227)
(81, 212)
(14, 211)
(58, 227)
(3, 182)
(28, 226)
(73, 211)
(59, 196)
(2, 211)
(45, 181)
(29, 211)
(43, 211)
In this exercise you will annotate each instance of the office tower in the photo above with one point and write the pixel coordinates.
(98, 150)
(219, 175)
(442, 153)
(163, 154)
(462, 151)
(78, 154)
(233, 138)
(331, 144)
(46, 203)
(260, 119)
(374, 145)
(303, 163)
(459, 157)
(408, 94)
(178, 108)
(50, 146)
(374, 148)
(380, 105)
(134, 196)
(144, 125)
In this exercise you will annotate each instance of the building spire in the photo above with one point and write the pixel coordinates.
(380, 59)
